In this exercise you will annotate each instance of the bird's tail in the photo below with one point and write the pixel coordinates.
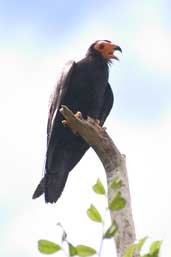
(52, 185)
(39, 190)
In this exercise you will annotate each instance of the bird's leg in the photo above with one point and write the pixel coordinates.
(78, 115)
(95, 122)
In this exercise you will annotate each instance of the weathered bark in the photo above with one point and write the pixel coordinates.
(115, 168)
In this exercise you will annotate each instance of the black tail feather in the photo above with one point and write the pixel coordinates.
(54, 185)
(39, 190)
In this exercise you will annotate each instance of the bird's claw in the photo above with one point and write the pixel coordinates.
(95, 122)
(78, 115)
(65, 123)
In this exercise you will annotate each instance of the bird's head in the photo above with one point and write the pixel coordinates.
(106, 49)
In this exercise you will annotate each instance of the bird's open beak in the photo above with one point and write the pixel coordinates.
(115, 48)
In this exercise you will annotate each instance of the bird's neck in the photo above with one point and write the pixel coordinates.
(96, 56)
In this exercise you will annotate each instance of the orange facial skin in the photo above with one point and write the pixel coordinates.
(107, 49)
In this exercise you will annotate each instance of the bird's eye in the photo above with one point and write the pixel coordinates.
(101, 46)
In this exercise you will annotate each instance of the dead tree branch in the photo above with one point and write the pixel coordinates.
(115, 167)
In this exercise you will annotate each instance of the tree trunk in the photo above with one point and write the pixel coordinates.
(115, 167)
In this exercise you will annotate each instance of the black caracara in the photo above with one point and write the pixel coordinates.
(83, 86)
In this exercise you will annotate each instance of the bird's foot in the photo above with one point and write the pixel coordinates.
(78, 115)
(95, 122)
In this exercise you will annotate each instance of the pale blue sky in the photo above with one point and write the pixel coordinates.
(36, 38)
(36, 28)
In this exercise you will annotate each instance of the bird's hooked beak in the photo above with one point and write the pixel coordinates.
(115, 48)
(107, 49)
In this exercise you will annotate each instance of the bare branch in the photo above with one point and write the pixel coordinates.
(115, 167)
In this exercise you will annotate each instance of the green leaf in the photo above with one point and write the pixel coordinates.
(99, 188)
(141, 243)
(94, 214)
(48, 247)
(155, 254)
(117, 202)
(83, 250)
(116, 184)
(155, 248)
(130, 250)
(136, 246)
(110, 232)
(72, 250)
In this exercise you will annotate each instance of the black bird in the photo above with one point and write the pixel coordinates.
(83, 86)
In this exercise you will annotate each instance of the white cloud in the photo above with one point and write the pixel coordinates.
(152, 46)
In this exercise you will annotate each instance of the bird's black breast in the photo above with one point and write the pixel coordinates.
(87, 87)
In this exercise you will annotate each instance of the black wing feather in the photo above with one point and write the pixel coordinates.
(107, 105)
(58, 95)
